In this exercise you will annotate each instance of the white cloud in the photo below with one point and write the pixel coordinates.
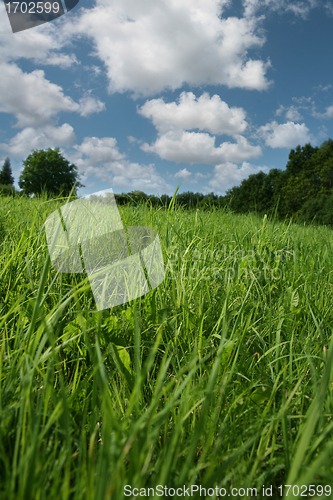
(97, 70)
(203, 113)
(304, 103)
(132, 176)
(280, 110)
(185, 175)
(151, 46)
(292, 114)
(31, 97)
(227, 175)
(323, 88)
(101, 158)
(286, 135)
(197, 147)
(303, 100)
(97, 151)
(35, 101)
(90, 105)
(329, 112)
(326, 115)
(299, 8)
(42, 45)
(133, 140)
(199, 175)
(33, 138)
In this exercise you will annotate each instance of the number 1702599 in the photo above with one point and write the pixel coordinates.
(305, 490)
(32, 7)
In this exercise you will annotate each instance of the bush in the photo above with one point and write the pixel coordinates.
(327, 211)
(318, 210)
(7, 190)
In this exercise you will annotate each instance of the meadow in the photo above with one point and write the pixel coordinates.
(220, 379)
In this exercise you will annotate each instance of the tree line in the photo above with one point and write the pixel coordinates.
(304, 190)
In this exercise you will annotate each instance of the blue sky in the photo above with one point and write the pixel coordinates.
(147, 94)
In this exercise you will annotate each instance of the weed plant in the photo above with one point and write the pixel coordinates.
(220, 377)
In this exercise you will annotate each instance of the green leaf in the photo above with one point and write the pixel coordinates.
(123, 362)
(227, 349)
(261, 394)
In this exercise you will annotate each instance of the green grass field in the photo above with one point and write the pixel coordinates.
(220, 378)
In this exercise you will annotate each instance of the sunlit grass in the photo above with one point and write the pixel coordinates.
(222, 376)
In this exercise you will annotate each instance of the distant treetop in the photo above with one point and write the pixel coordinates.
(6, 177)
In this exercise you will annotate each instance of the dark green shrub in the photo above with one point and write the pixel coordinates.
(318, 211)
(7, 190)
(327, 211)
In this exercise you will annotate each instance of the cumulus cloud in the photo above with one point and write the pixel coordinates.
(90, 105)
(326, 115)
(329, 112)
(131, 176)
(286, 135)
(133, 140)
(197, 147)
(280, 110)
(33, 138)
(31, 97)
(97, 151)
(174, 121)
(35, 101)
(227, 175)
(151, 46)
(102, 159)
(199, 175)
(291, 113)
(42, 45)
(185, 175)
(203, 113)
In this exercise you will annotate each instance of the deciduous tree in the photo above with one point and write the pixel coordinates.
(49, 171)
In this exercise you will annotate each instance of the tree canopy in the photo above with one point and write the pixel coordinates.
(6, 177)
(48, 171)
